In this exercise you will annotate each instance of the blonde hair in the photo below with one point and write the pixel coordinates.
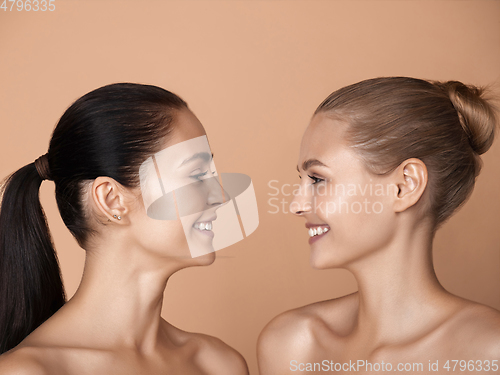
(447, 125)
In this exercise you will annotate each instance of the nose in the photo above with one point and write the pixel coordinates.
(301, 202)
(216, 194)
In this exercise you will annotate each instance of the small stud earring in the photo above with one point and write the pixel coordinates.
(119, 217)
(114, 216)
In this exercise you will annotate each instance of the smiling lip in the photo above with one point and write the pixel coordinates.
(207, 233)
(207, 220)
(310, 225)
(319, 236)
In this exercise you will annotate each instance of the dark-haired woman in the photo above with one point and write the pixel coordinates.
(112, 325)
(383, 163)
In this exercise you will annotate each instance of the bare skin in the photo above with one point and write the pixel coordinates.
(401, 313)
(113, 323)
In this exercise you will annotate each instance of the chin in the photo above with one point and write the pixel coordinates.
(205, 260)
(318, 262)
(321, 260)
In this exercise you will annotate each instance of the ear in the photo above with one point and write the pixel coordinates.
(109, 198)
(411, 180)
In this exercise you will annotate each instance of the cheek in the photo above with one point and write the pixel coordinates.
(190, 200)
(199, 242)
(164, 237)
(359, 225)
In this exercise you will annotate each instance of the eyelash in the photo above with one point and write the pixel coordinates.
(199, 175)
(315, 179)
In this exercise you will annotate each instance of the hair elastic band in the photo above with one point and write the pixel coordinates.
(42, 167)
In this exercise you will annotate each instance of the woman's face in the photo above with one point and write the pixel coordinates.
(347, 209)
(180, 227)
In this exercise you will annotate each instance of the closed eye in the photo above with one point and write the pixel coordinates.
(199, 175)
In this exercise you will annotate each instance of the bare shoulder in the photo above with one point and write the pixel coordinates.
(286, 338)
(217, 357)
(290, 326)
(22, 361)
(335, 315)
(298, 334)
(479, 326)
(213, 355)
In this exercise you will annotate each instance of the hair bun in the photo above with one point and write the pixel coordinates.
(476, 114)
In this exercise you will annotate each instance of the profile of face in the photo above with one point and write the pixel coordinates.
(180, 185)
(162, 239)
(180, 189)
(348, 210)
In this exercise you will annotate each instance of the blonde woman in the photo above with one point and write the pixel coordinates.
(421, 142)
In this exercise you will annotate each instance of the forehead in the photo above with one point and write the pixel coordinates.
(183, 153)
(185, 126)
(323, 140)
(185, 147)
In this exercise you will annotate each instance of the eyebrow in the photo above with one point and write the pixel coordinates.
(205, 156)
(311, 163)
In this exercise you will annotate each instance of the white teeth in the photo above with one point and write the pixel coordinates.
(317, 231)
(203, 226)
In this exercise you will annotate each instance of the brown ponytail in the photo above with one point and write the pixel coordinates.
(31, 288)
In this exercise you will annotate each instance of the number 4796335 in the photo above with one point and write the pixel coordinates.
(28, 5)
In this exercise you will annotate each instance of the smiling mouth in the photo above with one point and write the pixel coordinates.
(203, 225)
(317, 231)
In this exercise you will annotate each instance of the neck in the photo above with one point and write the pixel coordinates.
(399, 294)
(122, 294)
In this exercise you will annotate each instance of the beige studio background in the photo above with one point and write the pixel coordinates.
(253, 72)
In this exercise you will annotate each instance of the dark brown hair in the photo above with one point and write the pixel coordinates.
(447, 125)
(107, 132)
